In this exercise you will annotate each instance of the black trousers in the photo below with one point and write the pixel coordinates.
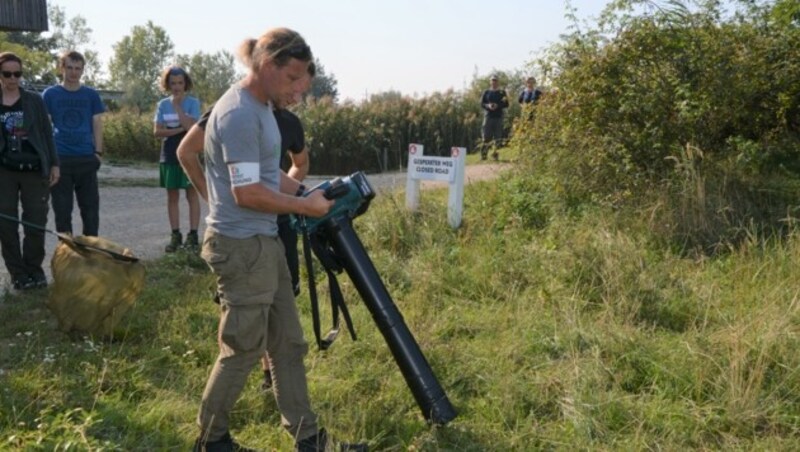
(30, 189)
(288, 236)
(491, 133)
(78, 176)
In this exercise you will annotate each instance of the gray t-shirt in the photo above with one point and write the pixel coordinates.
(240, 129)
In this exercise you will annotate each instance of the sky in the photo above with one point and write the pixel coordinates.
(416, 47)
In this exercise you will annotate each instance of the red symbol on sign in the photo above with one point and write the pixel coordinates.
(412, 149)
(454, 152)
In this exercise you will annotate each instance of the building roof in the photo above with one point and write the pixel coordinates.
(23, 15)
(105, 94)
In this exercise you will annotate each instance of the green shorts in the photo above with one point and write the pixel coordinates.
(172, 177)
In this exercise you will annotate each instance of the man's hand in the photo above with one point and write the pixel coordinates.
(55, 175)
(317, 205)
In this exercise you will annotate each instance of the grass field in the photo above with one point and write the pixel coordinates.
(563, 333)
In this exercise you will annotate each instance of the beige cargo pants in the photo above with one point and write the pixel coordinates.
(258, 314)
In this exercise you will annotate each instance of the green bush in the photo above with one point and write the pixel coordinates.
(129, 136)
(681, 113)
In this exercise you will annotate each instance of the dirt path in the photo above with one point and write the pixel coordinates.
(136, 217)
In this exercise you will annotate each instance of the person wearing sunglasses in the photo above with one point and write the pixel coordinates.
(174, 116)
(28, 168)
(77, 114)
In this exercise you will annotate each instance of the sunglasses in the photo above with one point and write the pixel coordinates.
(9, 74)
(299, 51)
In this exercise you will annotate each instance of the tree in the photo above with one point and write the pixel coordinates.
(73, 34)
(787, 12)
(137, 62)
(42, 50)
(37, 63)
(323, 84)
(212, 74)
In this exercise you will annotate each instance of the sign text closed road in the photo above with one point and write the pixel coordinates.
(432, 168)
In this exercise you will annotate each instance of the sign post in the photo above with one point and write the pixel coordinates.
(455, 203)
(412, 183)
(445, 169)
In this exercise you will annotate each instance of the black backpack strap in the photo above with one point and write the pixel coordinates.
(312, 289)
(332, 266)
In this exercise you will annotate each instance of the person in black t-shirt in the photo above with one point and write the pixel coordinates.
(28, 168)
(293, 144)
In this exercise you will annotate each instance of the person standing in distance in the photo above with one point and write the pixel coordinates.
(494, 101)
(246, 192)
(529, 97)
(77, 114)
(174, 116)
(530, 94)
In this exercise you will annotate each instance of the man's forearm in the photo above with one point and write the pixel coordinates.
(300, 165)
(288, 184)
(298, 172)
(191, 166)
(97, 129)
(189, 151)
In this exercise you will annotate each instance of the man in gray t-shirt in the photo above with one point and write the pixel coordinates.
(241, 129)
(246, 191)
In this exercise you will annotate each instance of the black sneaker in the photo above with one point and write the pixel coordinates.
(313, 443)
(37, 282)
(224, 444)
(319, 442)
(192, 243)
(30, 282)
(175, 241)
(19, 284)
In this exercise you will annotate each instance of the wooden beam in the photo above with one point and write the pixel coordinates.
(23, 15)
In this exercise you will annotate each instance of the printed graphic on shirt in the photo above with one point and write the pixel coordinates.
(72, 123)
(171, 120)
(14, 126)
(244, 173)
(12, 121)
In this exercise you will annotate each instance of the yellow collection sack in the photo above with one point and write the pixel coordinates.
(92, 290)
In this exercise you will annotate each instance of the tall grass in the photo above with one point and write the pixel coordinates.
(574, 333)
(342, 138)
(583, 304)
